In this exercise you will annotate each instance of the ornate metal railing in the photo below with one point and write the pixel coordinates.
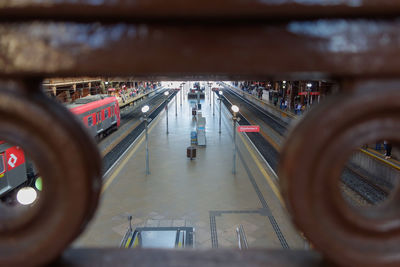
(356, 42)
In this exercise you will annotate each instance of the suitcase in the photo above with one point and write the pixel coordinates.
(191, 152)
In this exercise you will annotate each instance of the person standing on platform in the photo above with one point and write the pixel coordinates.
(299, 108)
(275, 99)
(388, 148)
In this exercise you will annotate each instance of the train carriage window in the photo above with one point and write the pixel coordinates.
(2, 164)
(90, 121)
(106, 113)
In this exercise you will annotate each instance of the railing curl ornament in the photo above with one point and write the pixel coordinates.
(312, 162)
(70, 165)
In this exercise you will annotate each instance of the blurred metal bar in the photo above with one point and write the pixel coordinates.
(168, 258)
(140, 10)
(312, 49)
(227, 40)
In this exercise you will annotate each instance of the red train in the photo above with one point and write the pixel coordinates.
(99, 113)
(15, 170)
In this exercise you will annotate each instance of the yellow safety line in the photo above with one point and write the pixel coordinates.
(128, 242)
(136, 242)
(264, 173)
(265, 135)
(380, 159)
(127, 157)
(119, 139)
(122, 136)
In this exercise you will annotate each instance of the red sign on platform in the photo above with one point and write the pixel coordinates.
(302, 93)
(249, 128)
(314, 93)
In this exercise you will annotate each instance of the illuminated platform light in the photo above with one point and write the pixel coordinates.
(166, 93)
(220, 93)
(309, 85)
(235, 108)
(26, 195)
(145, 108)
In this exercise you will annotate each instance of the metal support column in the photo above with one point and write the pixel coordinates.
(234, 145)
(220, 101)
(235, 118)
(147, 146)
(210, 92)
(166, 108)
(213, 104)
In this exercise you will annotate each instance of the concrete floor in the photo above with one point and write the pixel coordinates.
(202, 193)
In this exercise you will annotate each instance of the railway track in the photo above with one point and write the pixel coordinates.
(370, 191)
(357, 182)
(270, 154)
(133, 112)
(274, 122)
(158, 103)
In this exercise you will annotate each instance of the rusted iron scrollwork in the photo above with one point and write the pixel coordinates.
(311, 164)
(69, 164)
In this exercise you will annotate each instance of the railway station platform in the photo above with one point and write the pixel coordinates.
(131, 100)
(202, 193)
(285, 115)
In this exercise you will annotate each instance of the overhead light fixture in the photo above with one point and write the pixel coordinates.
(235, 108)
(145, 108)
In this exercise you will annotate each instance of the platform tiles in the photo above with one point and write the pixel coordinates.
(202, 193)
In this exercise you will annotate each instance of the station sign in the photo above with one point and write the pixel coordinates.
(311, 93)
(249, 128)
